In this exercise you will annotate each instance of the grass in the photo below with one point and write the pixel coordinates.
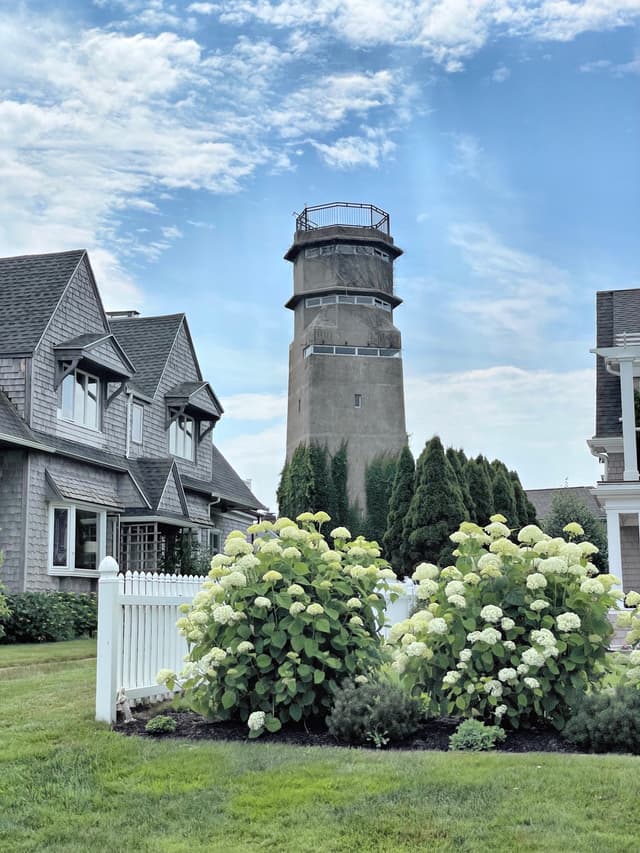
(71, 786)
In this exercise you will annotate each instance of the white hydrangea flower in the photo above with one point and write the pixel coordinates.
(490, 636)
(465, 655)
(272, 576)
(451, 573)
(573, 529)
(454, 588)
(539, 604)
(543, 637)
(507, 624)
(356, 621)
(509, 645)
(221, 560)
(532, 657)
(437, 626)
(588, 548)
(331, 557)
(508, 673)
(416, 650)
(504, 547)
(233, 579)
(246, 563)
(340, 533)
(489, 560)
(295, 589)
(315, 609)
(634, 657)
(361, 679)
(500, 711)
(296, 607)
(491, 613)
(387, 574)
(256, 721)
(532, 683)
(291, 553)
(425, 571)
(198, 617)
(471, 578)
(497, 530)
(553, 566)
(459, 537)
(536, 581)
(493, 688)
(452, 677)
(407, 639)
(430, 587)
(566, 622)
(473, 636)
(572, 552)
(293, 532)
(245, 647)
(354, 604)
(165, 675)
(592, 586)
(461, 665)
(457, 601)
(223, 614)
(236, 547)
(471, 688)
(530, 534)
(522, 669)
(261, 601)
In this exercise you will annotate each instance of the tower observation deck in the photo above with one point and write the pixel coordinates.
(345, 360)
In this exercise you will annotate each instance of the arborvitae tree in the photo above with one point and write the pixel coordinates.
(504, 500)
(436, 508)
(395, 544)
(296, 491)
(378, 479)
(339, 512)
(566, 507)
(525, 509)
(480, 489)
(322, 486)
(458, 461)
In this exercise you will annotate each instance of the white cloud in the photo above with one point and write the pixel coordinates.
(521, 294)
(203, 8)
(468, 153)
(351, 151)
(257, 456)
(255, 407)
(536, 421)
(500, 74)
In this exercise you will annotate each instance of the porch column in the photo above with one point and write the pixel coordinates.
(614, 544)
(628, 421)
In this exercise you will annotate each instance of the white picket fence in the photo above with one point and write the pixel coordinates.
(137, 635)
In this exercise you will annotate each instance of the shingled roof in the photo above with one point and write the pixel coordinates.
(543, 498)
(30, 289)
(225, 484)
(12, 426)
(148, 342)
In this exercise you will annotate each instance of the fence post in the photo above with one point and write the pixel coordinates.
(108, 640)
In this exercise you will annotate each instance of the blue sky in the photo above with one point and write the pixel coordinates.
(175, 140)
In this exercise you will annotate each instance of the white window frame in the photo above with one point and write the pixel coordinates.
(140, 407)
(70, 568)
(72, 376)
(207, 535)
(177, 437)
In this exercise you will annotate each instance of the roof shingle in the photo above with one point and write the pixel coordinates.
(147, 341)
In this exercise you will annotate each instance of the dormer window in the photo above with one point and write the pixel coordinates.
(181, 433)
(79, 399)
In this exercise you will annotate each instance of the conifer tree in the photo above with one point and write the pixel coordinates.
(296, 490)
(480, 489)
(504, 500)
(340, 510)
(379, 478)
(395, 544)
(436, 508)
(458, 461)
(566, 507)
(321, 498)
(525, 509)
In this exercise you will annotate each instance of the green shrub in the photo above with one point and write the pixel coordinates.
(475, 736)
(160, 725)
(607, 721)
(48, 617)
(273, 633)
(512, 631)
(373, 711)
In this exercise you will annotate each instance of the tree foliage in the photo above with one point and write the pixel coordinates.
(436, 508)
(504, 500)
(394, 541)
(566, 507)
(525, 509)
(480, 489)
(379, 479)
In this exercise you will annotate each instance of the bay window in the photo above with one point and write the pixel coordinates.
(77, 538)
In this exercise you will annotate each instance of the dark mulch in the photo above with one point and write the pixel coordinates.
(432, 735)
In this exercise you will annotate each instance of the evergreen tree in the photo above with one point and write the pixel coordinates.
(566, 507)
(379, 478)
(321, 498)
(480, 489)
(458, 461)
(394, 542)
(525, 509)
(296, 491)
(436, 508)
(340, 510)
(504, 500)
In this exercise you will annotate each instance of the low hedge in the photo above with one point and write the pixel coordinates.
(49, 617)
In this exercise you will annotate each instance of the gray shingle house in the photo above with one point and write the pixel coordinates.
(105, 434)
(616, 437)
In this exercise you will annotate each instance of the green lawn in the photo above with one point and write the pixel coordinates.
(67, 784)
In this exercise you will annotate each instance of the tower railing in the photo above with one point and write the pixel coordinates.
(343, 213)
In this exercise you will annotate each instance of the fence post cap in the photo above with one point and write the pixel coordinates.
(108, 567)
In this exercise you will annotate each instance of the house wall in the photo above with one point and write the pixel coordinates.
(225, 522)
(13, 380)
(630, 547)
(78, 313)
(12, 468)
(615, 468)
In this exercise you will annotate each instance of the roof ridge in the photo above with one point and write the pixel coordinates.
(146, 317)
(43, 255)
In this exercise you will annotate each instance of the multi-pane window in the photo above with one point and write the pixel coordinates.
(77, 538)
(137, 423)
(181, 432)
(79, 399)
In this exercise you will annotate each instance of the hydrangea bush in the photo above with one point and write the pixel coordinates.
(512, 631)
(280, 623)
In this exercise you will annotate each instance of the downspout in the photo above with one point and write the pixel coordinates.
(127, 445)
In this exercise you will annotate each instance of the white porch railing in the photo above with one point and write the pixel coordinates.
(137, 634)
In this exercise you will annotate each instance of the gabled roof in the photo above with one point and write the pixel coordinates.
(152, 476)
(543, 498)
(225, 484)
(30, 288)
(12, 427)
(199, 397)
(148, 342)
(101, 350)
(76, 488)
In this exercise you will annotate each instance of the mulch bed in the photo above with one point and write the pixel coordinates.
(432, 735)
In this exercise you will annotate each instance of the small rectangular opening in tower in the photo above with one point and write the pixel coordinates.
(357, 401)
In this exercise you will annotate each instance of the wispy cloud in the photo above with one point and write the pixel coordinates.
(500, 74)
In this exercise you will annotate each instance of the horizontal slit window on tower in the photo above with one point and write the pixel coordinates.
(376, 352)
(344, 299)
(345, 249)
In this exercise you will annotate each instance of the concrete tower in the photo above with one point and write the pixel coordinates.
(345, 361)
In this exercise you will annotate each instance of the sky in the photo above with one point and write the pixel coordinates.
(175, 141)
